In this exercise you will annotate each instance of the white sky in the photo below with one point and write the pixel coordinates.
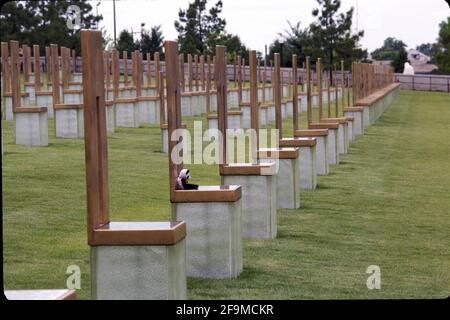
(258, 22)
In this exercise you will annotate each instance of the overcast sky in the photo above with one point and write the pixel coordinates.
(258, 22)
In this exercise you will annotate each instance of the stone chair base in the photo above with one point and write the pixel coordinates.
(213, 217)
(139, 261)
(127, 112)
(31, 126)
(288, 176)
(259, 197)
(333, 143)
(69, 122)
(321, 136)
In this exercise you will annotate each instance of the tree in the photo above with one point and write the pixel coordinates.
(125, 42)
(390, 49)
(234, 46)
(45, 21)
(292, 41)
(331, 35)
(442, 50)
(199, 30)
(399, 61)
(427, 49)
(152, 41)
(394, 50)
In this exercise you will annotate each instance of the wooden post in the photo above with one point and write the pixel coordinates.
(348, 91)
(137, 74)
(243, 73)
(162, 109)
(220, 70)
(208, 86)
(15, 71)
(264, 80)
(182, 75)
(208, 58)
(336, 97)
(125, 68)
(234, 70)
(64, 68)
(254, 107)
(173, 108)
(5, 68)
(26, 63)
(277, 95)
(48, 65)
(156, 63)
(190, 72)
(308, 91)
(239, 80)
(319, 87)
(213, 73)
(115, 73)
(107, 72)
(294, 92)
(55, 73)
(37, 68)
(74, 61)
(343, 86)
(96, 149)
(196, 72)
(148, 73)
(202, 72)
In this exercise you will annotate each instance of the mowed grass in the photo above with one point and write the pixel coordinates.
(386, 204)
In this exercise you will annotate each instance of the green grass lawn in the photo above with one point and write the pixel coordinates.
(386, 204)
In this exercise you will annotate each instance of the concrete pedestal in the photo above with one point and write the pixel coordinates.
(232, 98)
(44, 99)
(259, 204)
(31, 128)
(271, 113)
(308, 173)
(29, 88)
(72, 97)
(186, 109)
(357, 127)
(322, 166)
(288, 180)
(69, 123)
(213, 238)
(148, 110)
(110, 117)
(213, 102)
(333, 151)
(8, 109)
(127, 113)
(263, 116)
(245, 117)
(138, 272)
(164, 140)
(234, 120)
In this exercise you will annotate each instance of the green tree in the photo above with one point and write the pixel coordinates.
(399, 61)
(427, 49)
(199, 29)
(125, 42)
(442, 50)
(45, 21)
(294, 40)
(234, 46)
(390, 49)
(331, 35)
(152, 41)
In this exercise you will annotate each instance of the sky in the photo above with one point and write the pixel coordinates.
(258, 22)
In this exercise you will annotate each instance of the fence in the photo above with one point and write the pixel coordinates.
(424, 82)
